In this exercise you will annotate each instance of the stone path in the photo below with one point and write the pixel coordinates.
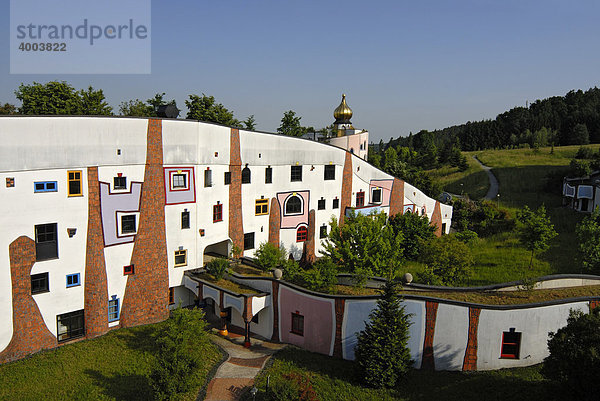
(493, 190)
(237, 373)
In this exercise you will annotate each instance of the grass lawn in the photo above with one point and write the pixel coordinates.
(335, 379)
(472, 182)
(111, 367)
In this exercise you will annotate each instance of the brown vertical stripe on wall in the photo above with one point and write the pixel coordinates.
(146, 296)
(346, 199)
(275, 303)
(339, 318)
(428, 361)
(236, 226)
(470, 359)
(95, 286)
(30, 333)
(436, 219)
(594, 304)
(397, 197)
(274, 222)
(309, 245)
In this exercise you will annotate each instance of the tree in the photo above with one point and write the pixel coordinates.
(415, 231)
(290, 125)
(382, 353)
(93, 104)
(574, 359)
(579, 168)
(580, 135)
(218, 267)
(534, 230)
(448, 259)
(250, 123)
(205, 108)
(364, 246)
(588, 239)
(7, 109)
(269, 256)
(136, 108)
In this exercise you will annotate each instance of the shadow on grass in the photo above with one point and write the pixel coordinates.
(140, 338)
(122, 386)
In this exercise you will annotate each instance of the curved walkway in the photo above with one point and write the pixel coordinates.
(237, 373)
(493, 190)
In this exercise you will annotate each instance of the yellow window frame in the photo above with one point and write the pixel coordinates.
(261, 207)
(181, 252)
(74, 176)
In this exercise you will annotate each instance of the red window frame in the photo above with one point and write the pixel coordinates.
(217, 212)
(301, 234)
(128, 270)
(513, 342)
(360, 199)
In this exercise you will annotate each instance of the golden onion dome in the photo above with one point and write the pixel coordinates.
(343, 113)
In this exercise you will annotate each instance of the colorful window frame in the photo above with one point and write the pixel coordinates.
(128, 270)
(74, 183)
(217, 212)
(73, 280)
(113, 309)
(302, 234)
(45, 186)
(261, 207)
(511, 344)
(181, 257)
(360, 199)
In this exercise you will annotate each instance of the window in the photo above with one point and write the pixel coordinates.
(301, 234)
(70, 325)
(73, 280)
(207, 178)
(261, 207)
(217, 212)
(45, 186)
(120, 182)
(227, 177)
(293, 205)
(180, 257)
(376, 196)
(297, 323)
(329, 172)
(321, 204)
(246, 175)
(74, 183)
(336, 203)
(128, 224)
(180, 181)
(113, 310)
(248, 241)
(185, 219)
(171, 296)
(128, 270)
(511, 344)
(323, 232)
(296, 174)
(46, 244)
(39, 283)
(268, 175)
(360, 199)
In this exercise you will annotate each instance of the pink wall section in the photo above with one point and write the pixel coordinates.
(386, 190)
(293, 221)
(319, 327)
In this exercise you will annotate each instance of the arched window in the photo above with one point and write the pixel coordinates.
(293, 205)
(423, 211)
(246, 175)
(301, 234)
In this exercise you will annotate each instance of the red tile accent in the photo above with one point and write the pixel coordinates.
(428, 361)
(594, 304)
(346, 198)
(274, 222)
(236, 225)
(339, 317)
(95, 286)
(397, 197)
(470, 360)
(146, 296)
(275, 303)
(436, 219)
(30, 333)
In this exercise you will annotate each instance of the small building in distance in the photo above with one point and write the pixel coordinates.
(582, 193)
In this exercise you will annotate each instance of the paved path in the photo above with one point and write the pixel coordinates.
(493, 190)
(237, 373)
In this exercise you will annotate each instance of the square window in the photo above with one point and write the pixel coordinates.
(128, 224)
(329, 172)
(181, 258)
(217, 212)
(336, 203)
(360, 199)
(323, 232)
(179, 181)
(74, 183)
(261, 207)
(297, 324)
(46, 243)
(128, 270)
(45, 186)
(171, 296)
(248, 241)
(321, 204)
(10, 182)
(39, 283)
(113, 310)
(296, 173)
(185, 219)
(73, 280)
(268, 175)
(207, 178)
(70, 325)
(227, 177)
(511, 344)
(120, 183)
(376, 195)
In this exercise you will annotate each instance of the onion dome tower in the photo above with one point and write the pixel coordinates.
(342, 115)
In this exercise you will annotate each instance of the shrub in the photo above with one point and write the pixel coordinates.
(449, 258)
(588, 240)
(579, 168)
(414, 229)
(269, 256)
(585, 153)
(427, 276)
(217, 267)
(485, 218)
(574, 359)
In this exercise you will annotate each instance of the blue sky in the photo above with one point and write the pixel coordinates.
(404, 66)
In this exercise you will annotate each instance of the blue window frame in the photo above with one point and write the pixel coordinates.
(73, 280)
(113, 309)
(45, 186)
